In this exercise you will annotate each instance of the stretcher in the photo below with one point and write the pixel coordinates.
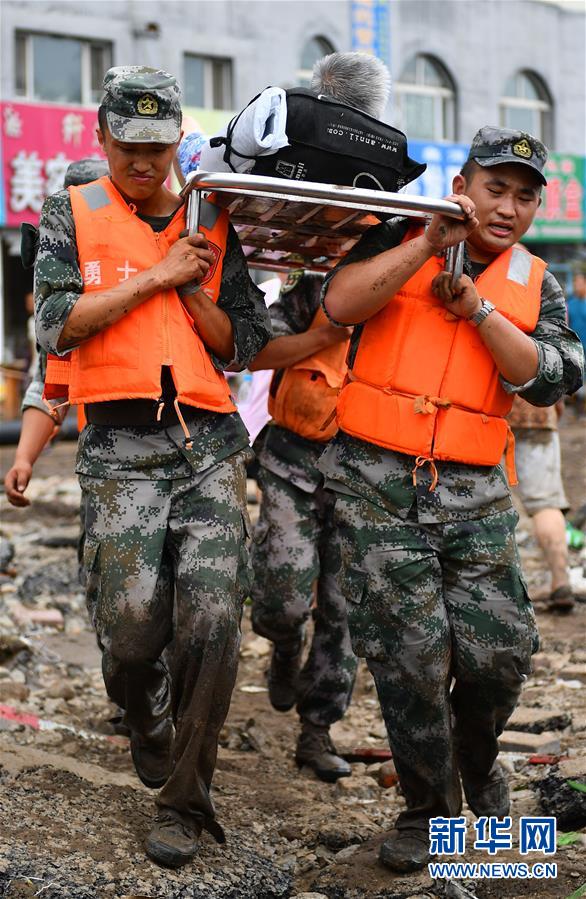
(284, 224)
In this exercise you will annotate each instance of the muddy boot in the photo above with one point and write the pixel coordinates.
(561, 600)
(171, 842)
(490, 796)
(151, 754)
(405, 850)
(316, 750)
(282, 676)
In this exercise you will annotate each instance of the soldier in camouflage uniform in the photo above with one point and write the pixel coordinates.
(37, 424)
(295, 551)
(430, 568)
(295, 548)
(161, 508)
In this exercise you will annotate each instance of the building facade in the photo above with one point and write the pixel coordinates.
(455, 65)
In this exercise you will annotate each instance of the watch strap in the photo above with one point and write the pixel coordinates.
(486, 307)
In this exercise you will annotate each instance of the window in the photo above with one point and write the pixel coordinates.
(208, 82)
(425, 100)
(60, 69)
(526, 106)
(313, 50)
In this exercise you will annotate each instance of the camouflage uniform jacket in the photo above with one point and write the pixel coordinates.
(464, 492)
(285, 453)
(58, 285)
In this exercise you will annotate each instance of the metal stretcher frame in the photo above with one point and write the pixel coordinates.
(285, 224)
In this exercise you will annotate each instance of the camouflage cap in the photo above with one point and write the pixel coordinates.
(85, 170)
(495, 146)
(142, 105)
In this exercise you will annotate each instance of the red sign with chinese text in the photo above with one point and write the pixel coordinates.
(39, 141)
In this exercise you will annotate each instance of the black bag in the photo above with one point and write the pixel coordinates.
(333, 143)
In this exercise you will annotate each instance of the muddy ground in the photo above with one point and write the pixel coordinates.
(73, 814)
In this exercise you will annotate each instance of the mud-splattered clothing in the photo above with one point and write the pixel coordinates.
(433, 583)
(167, 571)
(296, 560)
(59, 283)
(295, 552)
(560, 366)
(165, 553)
(428, 602)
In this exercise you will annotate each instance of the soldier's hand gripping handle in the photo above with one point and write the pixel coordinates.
(188, 261)
(444, 232)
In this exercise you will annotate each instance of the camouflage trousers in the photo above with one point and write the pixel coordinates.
(442, 616)
(167, 572)
(295, 557)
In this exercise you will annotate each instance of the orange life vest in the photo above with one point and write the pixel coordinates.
(423, 383)
(124, 360)
(303, 397)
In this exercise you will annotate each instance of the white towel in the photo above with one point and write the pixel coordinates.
(254, 410)
(259, 131)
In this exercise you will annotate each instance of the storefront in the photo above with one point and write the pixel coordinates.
(39, 141)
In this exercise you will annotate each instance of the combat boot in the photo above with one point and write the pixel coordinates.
(405, 850)
(490, 796)
(282, 676)
(316, 750)
(172, 842)
(151, 754)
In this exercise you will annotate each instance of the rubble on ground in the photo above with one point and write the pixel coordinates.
(77, 814)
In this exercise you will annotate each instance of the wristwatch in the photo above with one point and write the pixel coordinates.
(486, 307)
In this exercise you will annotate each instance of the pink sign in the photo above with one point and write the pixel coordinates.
(39, 140)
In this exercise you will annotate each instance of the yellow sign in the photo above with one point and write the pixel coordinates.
(522, 148)
(147, 105)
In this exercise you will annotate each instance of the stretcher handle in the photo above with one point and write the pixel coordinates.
(197, 182)
(455, 261)
(312, 192)
(193, 212)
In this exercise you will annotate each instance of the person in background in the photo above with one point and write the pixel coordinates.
(577, 320)
(541, 490)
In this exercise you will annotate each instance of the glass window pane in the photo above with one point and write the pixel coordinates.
(57, 68)
(522, 119)
(20, 65)
(222, 83)
(432, 75)
(100, 62)
(528, 88)
(194, 81)
(447, 120)
(418, 113)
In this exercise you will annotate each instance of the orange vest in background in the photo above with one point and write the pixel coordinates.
(124, 360)
(303, 397)
(423, 382)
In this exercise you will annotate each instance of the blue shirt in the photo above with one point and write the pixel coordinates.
(577, 317)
